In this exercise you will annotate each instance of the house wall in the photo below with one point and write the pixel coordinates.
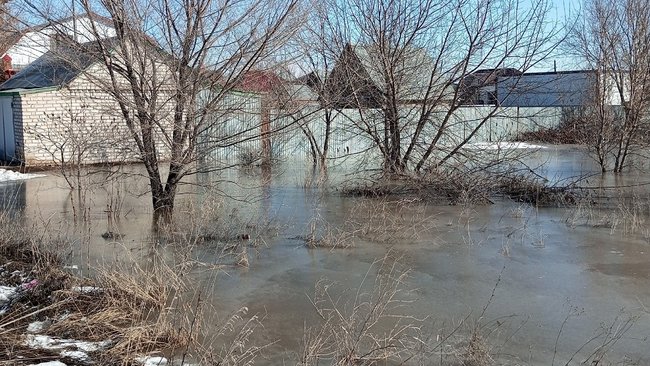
(68, 126)
(80, 123)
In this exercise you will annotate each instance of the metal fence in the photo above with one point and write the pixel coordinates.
(291, 132)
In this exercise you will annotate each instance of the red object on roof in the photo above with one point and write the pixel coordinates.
(6, 58)
(260, 81)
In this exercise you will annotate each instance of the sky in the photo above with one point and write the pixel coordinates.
(562, 11)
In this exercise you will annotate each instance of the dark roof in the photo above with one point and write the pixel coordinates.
(55, 68)
(484, 77)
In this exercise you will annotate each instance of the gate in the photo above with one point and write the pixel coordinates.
(7, 133)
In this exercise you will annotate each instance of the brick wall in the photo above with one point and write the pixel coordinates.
(75, 125)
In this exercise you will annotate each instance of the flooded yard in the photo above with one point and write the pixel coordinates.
(544, 285)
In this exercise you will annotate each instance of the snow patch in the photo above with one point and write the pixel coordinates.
(502, 146)
(36, 327)
(49, 363)
(87, 289)
(77, 355)
(47, 342)
(8, 175)
(6, 293)
(152, 361)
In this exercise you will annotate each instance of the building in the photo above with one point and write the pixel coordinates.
(357, 79)
(51, 113)
(480, 86)
(552, 89)
(31, 43)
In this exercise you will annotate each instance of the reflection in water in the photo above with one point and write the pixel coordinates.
(13, 198)
(550, 264)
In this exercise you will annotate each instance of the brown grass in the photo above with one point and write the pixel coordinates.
(135, 309)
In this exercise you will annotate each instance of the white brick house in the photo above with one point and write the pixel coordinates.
(53, 113)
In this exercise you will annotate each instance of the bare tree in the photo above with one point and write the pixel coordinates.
(171, 66)
(613, 40)
(8, 34)
(320, 48)
(399, 64)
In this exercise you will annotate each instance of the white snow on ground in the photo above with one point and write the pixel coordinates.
(502, 146)
(6, 293)
(77, 355)
(152, 361)
(46, 342)
(36, 327)
(87, 289)
(8, 175)
(49, 363)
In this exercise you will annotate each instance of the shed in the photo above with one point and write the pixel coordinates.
(52, 113)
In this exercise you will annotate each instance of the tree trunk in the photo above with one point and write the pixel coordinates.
(163, 206)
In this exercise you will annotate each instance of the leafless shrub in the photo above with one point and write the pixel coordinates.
(525, 189)
(463, 188)
(571, 130)
(366, 325)
(322, 234)
(612, 41)
(208, 225)
(249, 157)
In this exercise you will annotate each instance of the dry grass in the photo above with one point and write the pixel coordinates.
(620, 211)
(127, 310)
(379, 220)
(322, 234)
(366, 326)
(460, 187)
(231, 236)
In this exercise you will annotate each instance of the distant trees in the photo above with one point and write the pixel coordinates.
(613, 39)
(400, 62)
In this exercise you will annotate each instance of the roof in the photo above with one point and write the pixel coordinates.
(55, 68)
(415, 71)
(485, 77)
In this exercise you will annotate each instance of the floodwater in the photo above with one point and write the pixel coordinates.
(546, 280)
